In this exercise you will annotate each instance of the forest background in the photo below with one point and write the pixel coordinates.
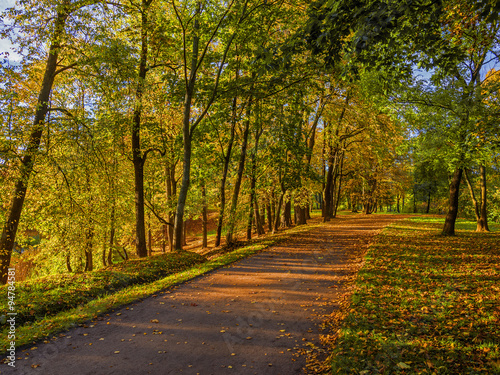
(121, 121)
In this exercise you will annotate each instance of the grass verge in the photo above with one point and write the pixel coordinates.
(424, 304)
(56, 303)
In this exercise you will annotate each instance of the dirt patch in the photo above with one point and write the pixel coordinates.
(256, 316)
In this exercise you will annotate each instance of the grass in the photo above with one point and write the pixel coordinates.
(56, 303)
(424, 304)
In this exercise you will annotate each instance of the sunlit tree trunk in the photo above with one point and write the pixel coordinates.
(187, 142)
(9, 230)
(337, 196)
(237, 185)
(227, 158)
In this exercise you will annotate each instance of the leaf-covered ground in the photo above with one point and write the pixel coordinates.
(424, 304)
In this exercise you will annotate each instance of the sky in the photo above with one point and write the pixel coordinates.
(4, 43)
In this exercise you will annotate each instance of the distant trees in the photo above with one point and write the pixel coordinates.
(455, 38)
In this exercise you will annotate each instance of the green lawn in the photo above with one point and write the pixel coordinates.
(424, 304)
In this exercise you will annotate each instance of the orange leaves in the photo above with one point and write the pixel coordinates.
(426, 302)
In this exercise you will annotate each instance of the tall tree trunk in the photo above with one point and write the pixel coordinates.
(483, 220)
(258, 218)
(239, 177)
(301, 215)
(324, 178)
(227, 159)
(104, 252)
(287, 214)
(165, 238)
(451, 217)
(111, 236)
(137, 154)
(337, 196)
(428, 202)
(277, 215)
(9, 230)
(269, 217)
(150, 241)
(253, 184)
(204, 216)
(250, 213)
(273, 208)
(184, 232)
(171, 189)
(89, 235)
(68, 262)
(414, 200)
(187, 139)
(327, 192)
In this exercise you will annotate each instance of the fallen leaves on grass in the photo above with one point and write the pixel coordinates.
(424, 304)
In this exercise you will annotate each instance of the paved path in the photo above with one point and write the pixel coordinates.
(248, 318)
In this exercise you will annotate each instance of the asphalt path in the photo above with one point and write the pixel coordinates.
(253, 317)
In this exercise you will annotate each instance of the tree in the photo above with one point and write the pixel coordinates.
(56, 63)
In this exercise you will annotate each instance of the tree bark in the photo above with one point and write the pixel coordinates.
(269, 217)
(250, 214)
(258, 218)
(111, 240)
(227, 159)
(327, 192)
(89, 235)
(341, 169)
(451, 217)
(253, 184)
(301, 215)
(237, 185)
(187, 140)
(287, 214)
(104, 252)
(171, 194)
(204, 216)
(9, 230)
(427, 210)
(277, 216)
(137, 154)
(483, 220)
